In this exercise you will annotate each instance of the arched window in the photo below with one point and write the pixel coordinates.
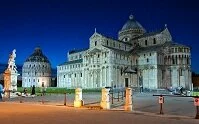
(95, 43)
(113, 44)
(147, 60)
(176, 50)
(146, 42)
(154, 41)
(173, 60)
(180, 72)
(187, 60)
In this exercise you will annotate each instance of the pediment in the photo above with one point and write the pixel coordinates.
(95, 35)
(94, 50)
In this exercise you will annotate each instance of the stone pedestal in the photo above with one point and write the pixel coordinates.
(78, 102)
(105, 103)
(128, 102)
(10, 81)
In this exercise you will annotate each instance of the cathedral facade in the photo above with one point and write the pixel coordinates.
(137, 58)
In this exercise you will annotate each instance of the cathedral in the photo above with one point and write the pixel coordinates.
(138, 58)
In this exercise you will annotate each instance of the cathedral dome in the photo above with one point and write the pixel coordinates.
(130, 30)
(37, 56)
(132, 24)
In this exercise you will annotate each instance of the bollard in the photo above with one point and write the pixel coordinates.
(197, 112)
(105, 103)
(118, 96)
(1, 98)
(196, 103)
(20, 98)
(161, 101)
(128, 102)
(112, 98)
(42, 99)
(64, 99)
(78, 102)
(122, 95)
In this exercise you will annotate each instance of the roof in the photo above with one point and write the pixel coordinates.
(37, 56)
(132, 24)
(149, 34)
(76, 51)
(156, 47)
(94, 50)
(130, 70)
(72, 62)
(127, 43)
(146, 49)
(117, 50)
(174, 44)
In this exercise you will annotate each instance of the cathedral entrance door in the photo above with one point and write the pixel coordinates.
(126, 82)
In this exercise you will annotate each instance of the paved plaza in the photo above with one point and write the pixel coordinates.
(16, 113)
(144, 102)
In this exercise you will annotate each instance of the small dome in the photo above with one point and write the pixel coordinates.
(37, 56)
(132, 24)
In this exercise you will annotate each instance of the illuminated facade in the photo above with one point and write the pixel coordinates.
(36, 70)
(136, 59)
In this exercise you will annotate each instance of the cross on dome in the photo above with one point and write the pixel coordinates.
(131, 17)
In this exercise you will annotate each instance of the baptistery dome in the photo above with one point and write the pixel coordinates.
(36, 70)
(37, 56)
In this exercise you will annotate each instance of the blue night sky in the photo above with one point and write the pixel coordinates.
(61, 25)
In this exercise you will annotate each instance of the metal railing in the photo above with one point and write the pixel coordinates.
(161, 102)
(117, 94)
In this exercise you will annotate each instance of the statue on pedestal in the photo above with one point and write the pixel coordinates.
(11, 61)
(10, 75)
